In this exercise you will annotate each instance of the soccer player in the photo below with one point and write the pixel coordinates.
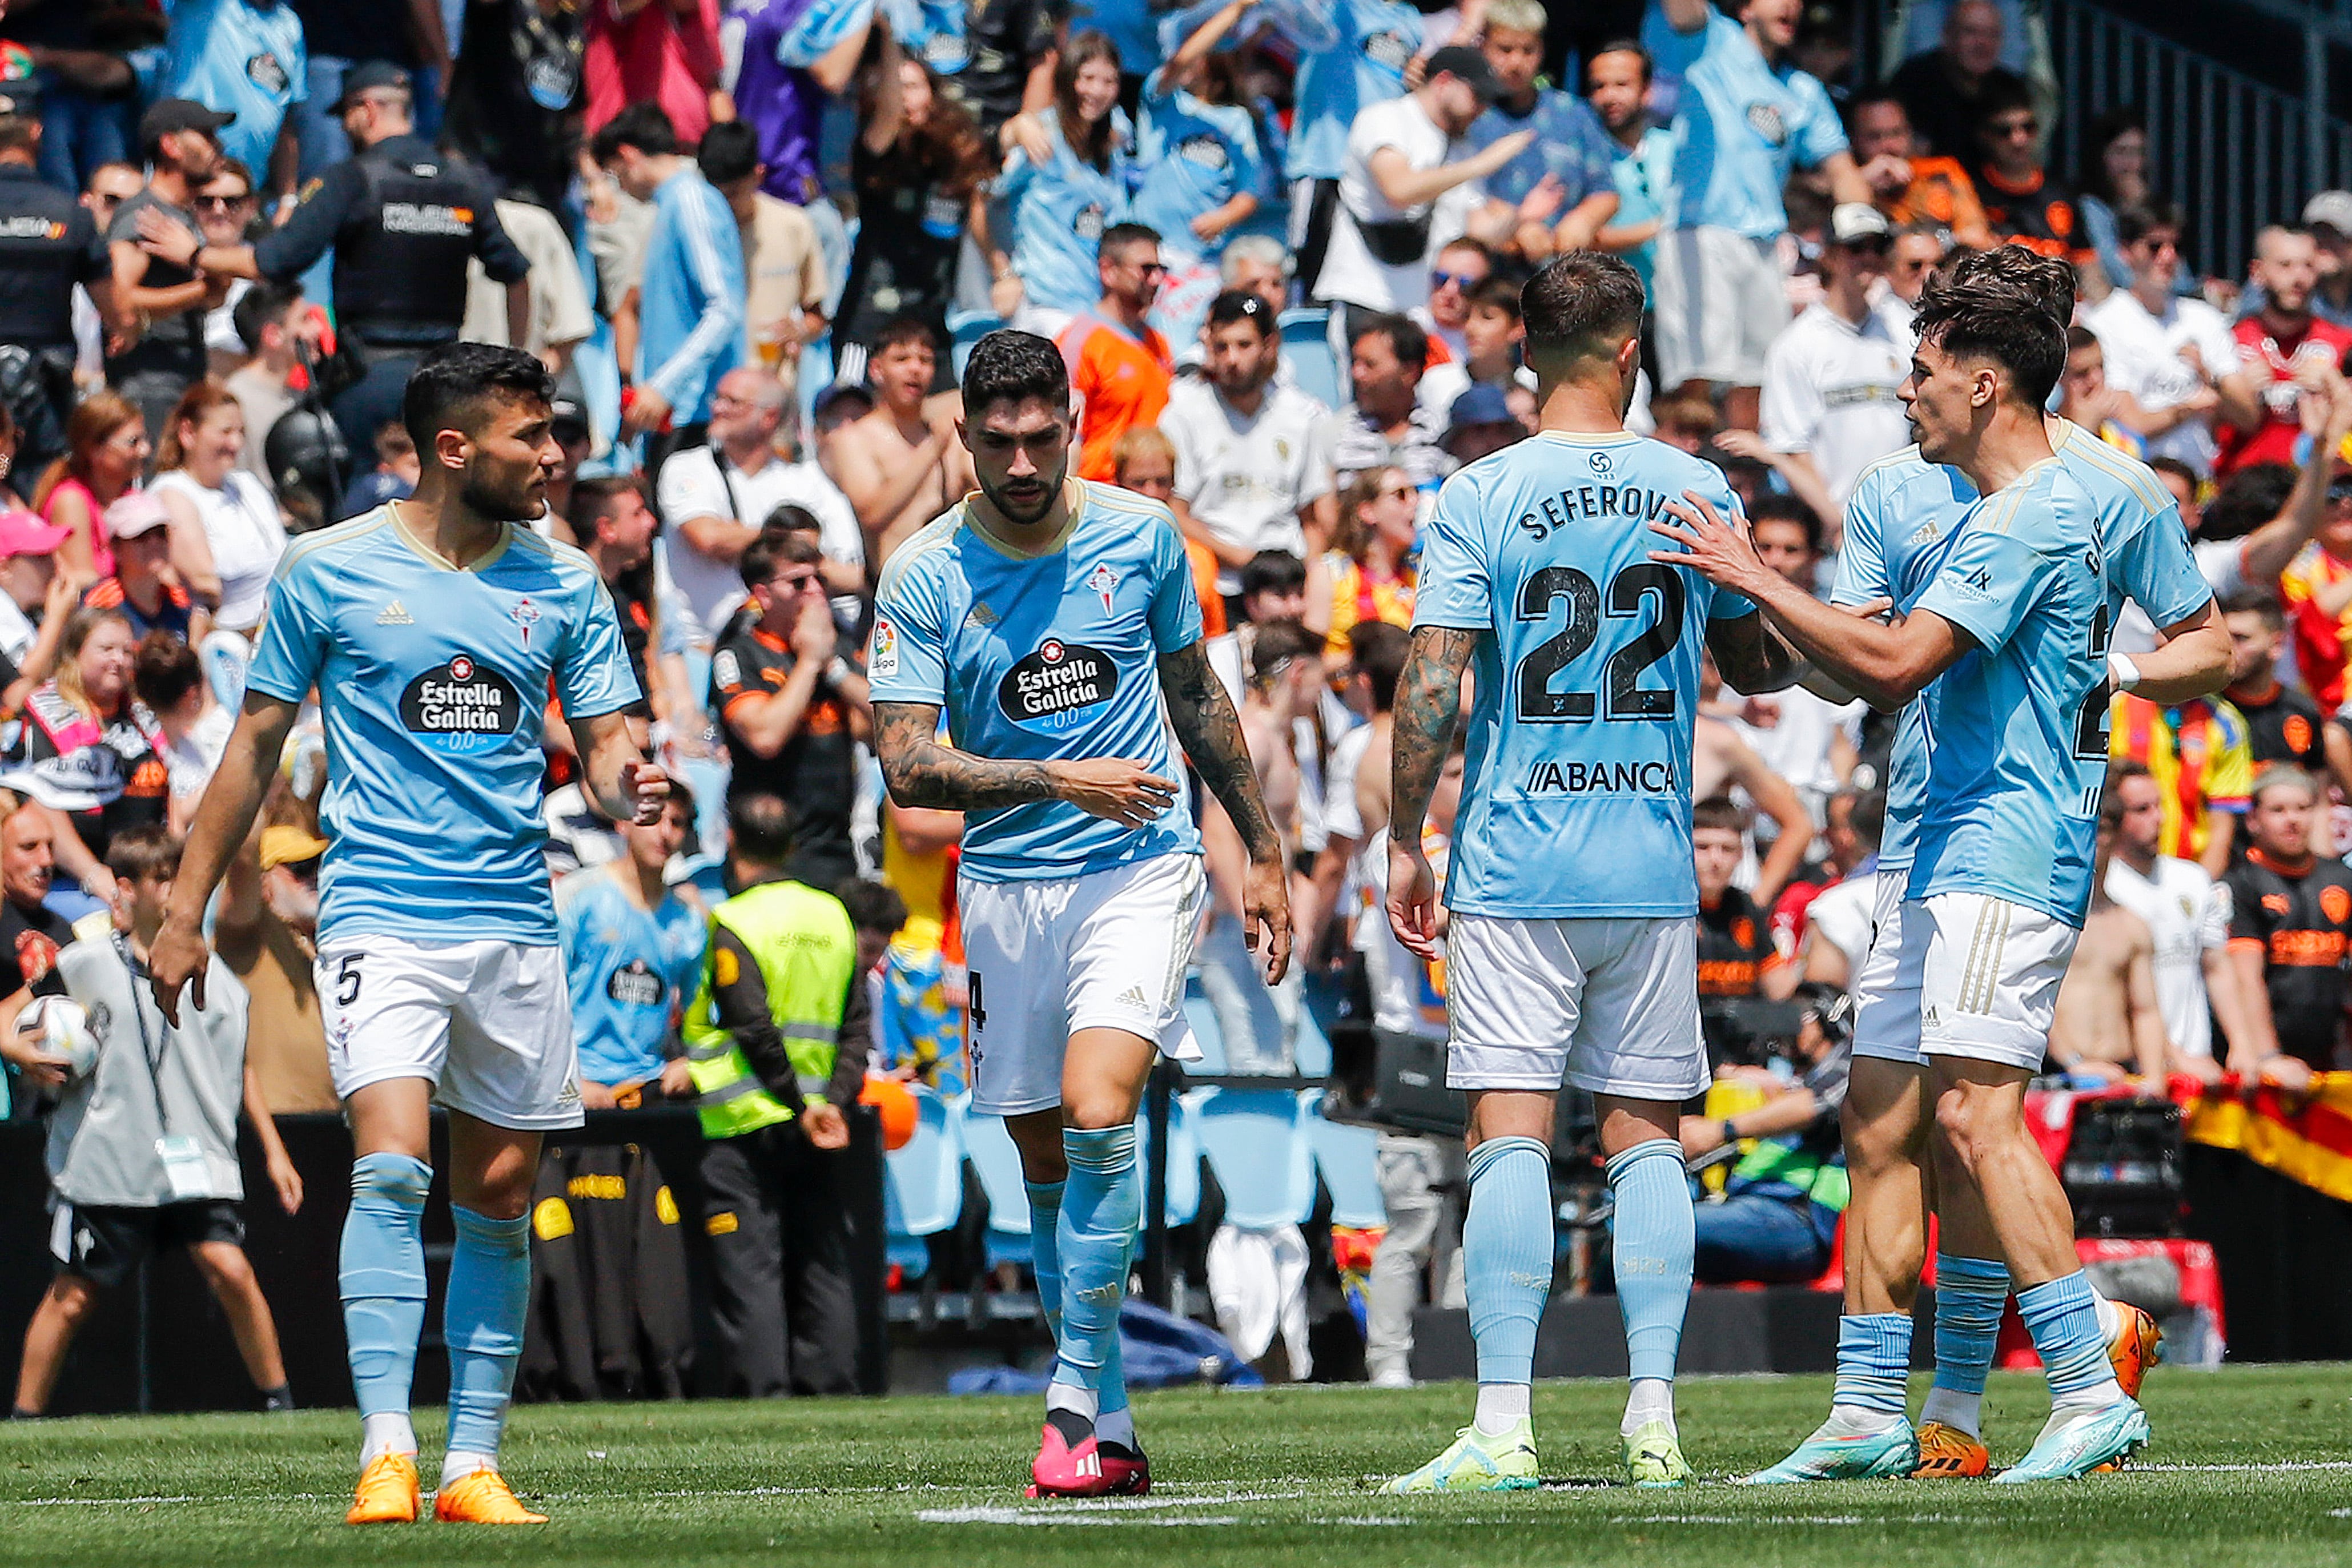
(433, 629)
(1572, 943)
(1054, 621)
(2006, 568)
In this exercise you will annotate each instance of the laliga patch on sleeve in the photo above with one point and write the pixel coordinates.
(882, 660)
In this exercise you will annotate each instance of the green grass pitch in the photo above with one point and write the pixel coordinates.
(2250, 1467)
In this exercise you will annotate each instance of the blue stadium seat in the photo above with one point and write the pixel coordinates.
(1307, 348)
(922, 1191)
(1348, 1159)
(966, 328)
(1259, 1152)
(997, 1162)
(1183, 1157)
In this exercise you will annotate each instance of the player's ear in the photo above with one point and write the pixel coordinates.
(451, 448)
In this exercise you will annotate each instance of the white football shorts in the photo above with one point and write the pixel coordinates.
(1720, 300)
(1607, 1005)
(1969, 975)
(486, 1023)
(1047, 958)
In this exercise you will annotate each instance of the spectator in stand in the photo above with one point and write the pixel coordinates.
(1806, 739)
(1201, 155)
(191, 730)
(1258, 264)
(1481, 421)
(2023, 204)
(224, 211)
(2174, 357)
(79, 86)
(2259, 527)
(2201, 756)
(783, 263)
(614, 527)
(245, 59)
(690, 317)
(2107, 1027)
(280, 333)
(144, 585)
(1144, 461)
(1253, 453)
(662, 52)
(2328, 216)
(227, 532)
(1386, 423)
(1013, 45)
(1571, 150)
(1372, 568)
(1944, 90)
(36, 602)
(156, 308)
(1735, 944)
(559, 321)
(1641, 153)
(632, 953)
(392, 476)
(2283, 723)
(2188, 913)
(1352, 54)
(1917, 250)
(1720, 761)
(900, 464)
(106, 454)
(919, 169)
(1066, 177)
(2286, 352)
(2114, 176)
(1910, 187)
(53, 249)
(1411, 185)
(793, 59)
(1463, 268)
(514, 92)
(1748, 118)
(1827, 934)
(793, 708)
(2317, 590)
(32, 935)
(1493, 333)
(1831, 379)
(1119, 364)
(84, 757)
(2290, 918)
(337, 36)
(2090, 400)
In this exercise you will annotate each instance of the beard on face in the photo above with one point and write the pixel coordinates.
(511, 502)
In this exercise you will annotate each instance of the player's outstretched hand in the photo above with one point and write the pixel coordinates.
(646, 787)
(1266, 903)
(1716, 549)
(1115, 788)
(1412, 899)
(178, 958)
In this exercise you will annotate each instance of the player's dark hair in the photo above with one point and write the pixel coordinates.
(1580, 305)
(2049, 279)
(2111, 804)
(163, 670)
(453, 384)
(592, 498)
(645, 125)
(1015, 367)
(787, 519)
(761, 828)
(1720, 813)
(1405, 339)
(2247, 499)
(1788, 509)
(1273, 572)
(1277, 644)
(2135, 221)
(766, 554)
(2001, 320)
(2256, 600)
(1125, 233)
(903, 330)
(2180, 470)
(143, 854)
(1379, 651)
(262, 304)
(871, 905)
(1498, 294)
(730, 152)
(1633, 46)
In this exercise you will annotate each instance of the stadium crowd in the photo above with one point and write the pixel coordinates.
(1280, 245)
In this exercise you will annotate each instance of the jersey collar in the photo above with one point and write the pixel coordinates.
(482, 563)
(1013, 552)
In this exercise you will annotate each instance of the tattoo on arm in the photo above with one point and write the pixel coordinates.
(922, 770)
(1428, 703)
(1211, 733)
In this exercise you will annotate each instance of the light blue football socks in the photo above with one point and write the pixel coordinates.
(1652, 1246)
(1873, 1366)
(1971, 1293)
(2063, 1317)
(1507, 1257)
(381, 1277)
(1102, 1203)
(483, 1315)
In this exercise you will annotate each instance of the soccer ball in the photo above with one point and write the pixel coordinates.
(59, 1026)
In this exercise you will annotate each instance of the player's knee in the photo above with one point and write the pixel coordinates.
(1966, 1121)
(1878, 1143)
(224, 1268)
(1098, 1109)
(71, 1297)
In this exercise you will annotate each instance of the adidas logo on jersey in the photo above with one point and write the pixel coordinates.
(981, 618)
(394, 615)
(1133, 997)
(1925, 535)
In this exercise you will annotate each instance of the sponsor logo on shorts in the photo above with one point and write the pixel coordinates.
(462, 705)
(1053, 687)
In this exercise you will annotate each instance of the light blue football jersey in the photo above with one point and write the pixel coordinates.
(1050, 657)
(1058, 217)
(628, 970)
(1740, 127)
(1193, 158)
(434, 685)
(2017, 745)
(1576, 798)
(1903, 512)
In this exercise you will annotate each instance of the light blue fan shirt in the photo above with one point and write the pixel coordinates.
(1576, 800)
(434, 684)
(1351, 54)
(629, 970)
(1741, 126)
(1059, 213)
(1193, 157)
(1045, 657)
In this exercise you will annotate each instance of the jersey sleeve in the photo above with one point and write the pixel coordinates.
(284, 254)
(1819, 135)
(501, 257)
(592, 675)
(2213, 919)
(1861, 551)
(1456, 586)
(1992, 580)
(1792, 402)
(2157, 568)
(906, 660)
(1175, 607)
(294, 633)
(2249, 921)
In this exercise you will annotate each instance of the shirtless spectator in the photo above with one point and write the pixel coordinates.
(2107, 1024)
(900, 465)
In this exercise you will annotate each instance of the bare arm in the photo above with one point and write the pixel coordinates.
(2221, 831)
(178, 956)
(1186, 63)
(1684, 16)
(624, 786)
(1403, 186)
(878, 493)
(890, 99)
(1846, 183)
(282, 1173)
(1750, 657)
(1211, 733)
(1778, 799)
(2151, 1051)
(922, 770)
(1585, 220)
(2225, 995)
(2265, 552)
(1428, 704)
(2191, 661)
(834, 68)
(2259, 1041)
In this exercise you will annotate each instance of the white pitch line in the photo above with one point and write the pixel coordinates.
(95, 1501)
(2244, 1469)
(1036, 1517)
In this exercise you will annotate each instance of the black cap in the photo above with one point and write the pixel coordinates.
(166, 116)
(838, 392)
(566, 413)
(1469, 65)
(368, 76)
(1481, 404)
(1241, 305)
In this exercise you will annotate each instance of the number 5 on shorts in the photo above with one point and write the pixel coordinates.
(347, 981)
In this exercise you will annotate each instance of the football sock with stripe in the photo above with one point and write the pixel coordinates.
(1653, 1246)
(1970, 1295)
(2062, 1316)
(1506, 1257)
(380, 1275)
(1102, 1203)
(482, 1321)
(1873, 1361)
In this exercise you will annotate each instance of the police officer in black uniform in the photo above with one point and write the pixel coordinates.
(48, 243)
(402, 220)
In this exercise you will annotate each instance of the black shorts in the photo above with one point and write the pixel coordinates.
(104, 1244)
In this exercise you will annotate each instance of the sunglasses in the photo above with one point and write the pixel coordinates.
(2006, 128)
(1875, 245)
(1439, 279)
(222, 204)
(793, 582)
